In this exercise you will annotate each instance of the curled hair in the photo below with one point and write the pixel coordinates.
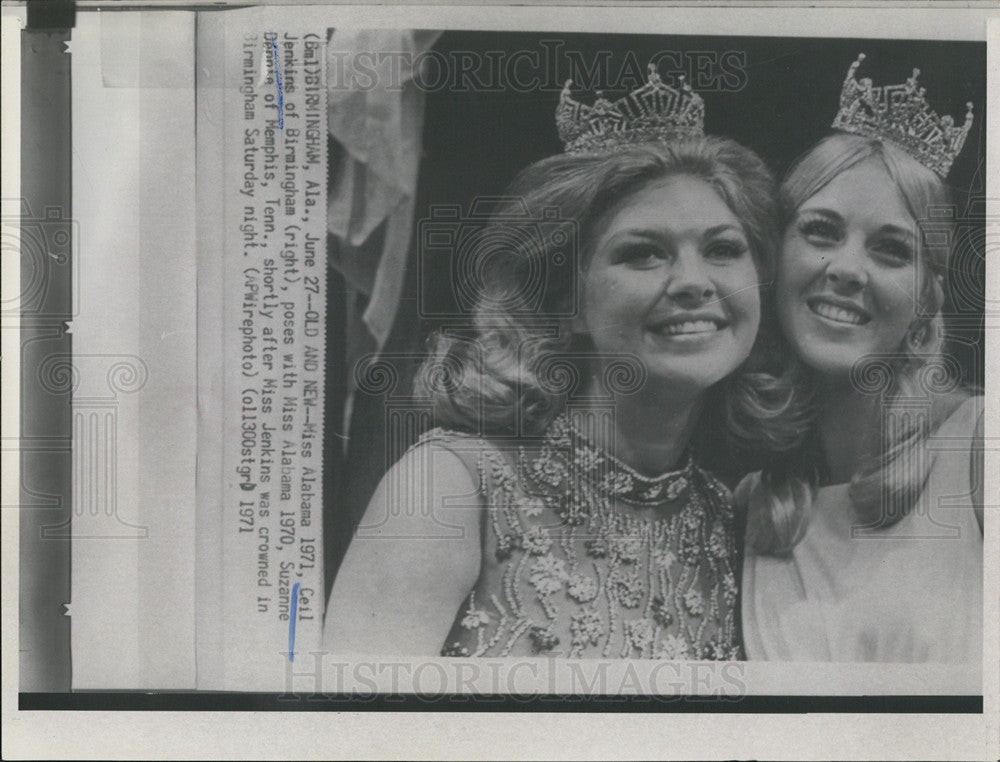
(884, 489)
(504, 359)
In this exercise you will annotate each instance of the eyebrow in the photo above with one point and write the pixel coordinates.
(722, 229)
(655, 235)
(897, 230)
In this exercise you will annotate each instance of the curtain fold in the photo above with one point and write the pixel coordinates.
(376, 116)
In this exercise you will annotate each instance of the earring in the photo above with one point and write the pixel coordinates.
(916, 337)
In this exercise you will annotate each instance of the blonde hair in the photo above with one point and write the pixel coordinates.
(883, 490)
(497, 379)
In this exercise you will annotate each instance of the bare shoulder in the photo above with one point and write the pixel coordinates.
(967, 421)
(413, 559)
(434, 483)
(963, 414)
(958, 445)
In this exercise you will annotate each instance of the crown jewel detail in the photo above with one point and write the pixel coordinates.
(900, 114)
(655, 112)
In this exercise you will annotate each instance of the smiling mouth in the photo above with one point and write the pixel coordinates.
(686, 328)
(839, 314)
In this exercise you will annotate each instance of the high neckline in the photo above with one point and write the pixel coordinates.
(612, 475)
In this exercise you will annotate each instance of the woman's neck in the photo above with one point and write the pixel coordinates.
(649, 430)
(848, 428)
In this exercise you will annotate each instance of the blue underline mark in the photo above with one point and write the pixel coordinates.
(277, 79)
(291, 622)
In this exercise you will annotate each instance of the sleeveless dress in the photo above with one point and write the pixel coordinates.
(583, 557)
(911, 592)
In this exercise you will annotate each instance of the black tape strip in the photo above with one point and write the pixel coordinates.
(46, 306)
(51, 14)
(448, 702)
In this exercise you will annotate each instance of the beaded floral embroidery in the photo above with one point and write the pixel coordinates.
(592, 559)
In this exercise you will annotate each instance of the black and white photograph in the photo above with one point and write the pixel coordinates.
(371, 372)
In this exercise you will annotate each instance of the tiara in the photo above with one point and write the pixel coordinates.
(654, 113)
(900, 114)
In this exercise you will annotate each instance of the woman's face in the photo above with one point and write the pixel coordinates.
(672, 281)
(848, 280)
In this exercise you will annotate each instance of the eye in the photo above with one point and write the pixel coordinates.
(639, 255)
(819, 230)
(894, 251)
(726, 249)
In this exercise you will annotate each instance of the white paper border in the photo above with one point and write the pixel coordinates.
(512, 735)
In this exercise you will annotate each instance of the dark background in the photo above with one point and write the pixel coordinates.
(475, 141)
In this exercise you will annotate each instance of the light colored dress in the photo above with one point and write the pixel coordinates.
(911, 592)
(585, 558)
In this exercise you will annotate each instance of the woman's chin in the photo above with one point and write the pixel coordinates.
(828, 348)
(694, 361)
(832, 358)
(689, 379)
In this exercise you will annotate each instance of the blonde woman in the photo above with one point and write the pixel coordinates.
(868, 545)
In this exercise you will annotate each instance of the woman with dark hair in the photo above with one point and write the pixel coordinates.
(564, 507)
(868, 545)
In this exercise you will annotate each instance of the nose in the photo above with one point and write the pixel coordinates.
(688, 282)
(846, 270)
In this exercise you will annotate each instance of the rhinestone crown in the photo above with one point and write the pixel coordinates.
(900, 114)
(655, 112)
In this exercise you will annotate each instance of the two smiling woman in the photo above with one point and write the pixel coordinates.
(573, 503)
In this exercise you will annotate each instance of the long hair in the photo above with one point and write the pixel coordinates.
(884, 489)
(497, 378)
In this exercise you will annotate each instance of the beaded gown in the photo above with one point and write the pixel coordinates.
(583, 557)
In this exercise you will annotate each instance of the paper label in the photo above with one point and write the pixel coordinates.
(274, 331)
